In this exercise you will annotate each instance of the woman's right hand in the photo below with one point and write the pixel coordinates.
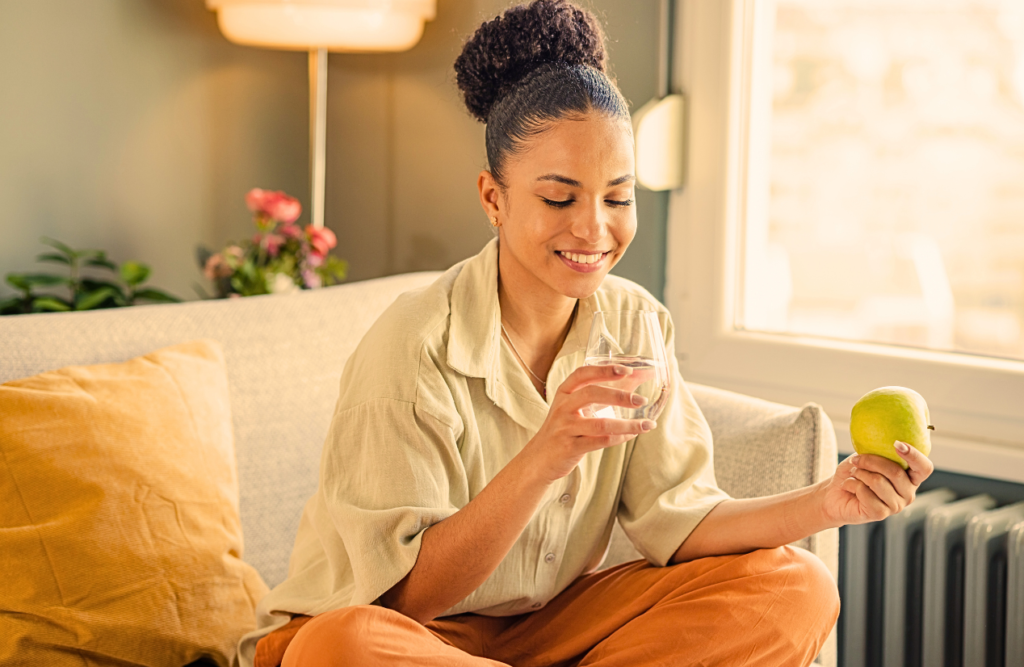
(571, 431)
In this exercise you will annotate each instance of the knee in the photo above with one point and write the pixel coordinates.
(338, 637)
(797, 604)
(812, 585)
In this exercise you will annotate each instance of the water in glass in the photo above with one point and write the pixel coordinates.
(631, 338)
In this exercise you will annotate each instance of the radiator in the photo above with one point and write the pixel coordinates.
(940, 584)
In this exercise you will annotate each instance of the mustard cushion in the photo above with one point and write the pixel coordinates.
(120, 538)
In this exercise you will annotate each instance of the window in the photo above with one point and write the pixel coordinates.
(854, 210)
(895, 168)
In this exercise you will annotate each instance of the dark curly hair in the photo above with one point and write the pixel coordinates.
(532, 65)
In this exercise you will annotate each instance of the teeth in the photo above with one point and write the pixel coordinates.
(582, 259)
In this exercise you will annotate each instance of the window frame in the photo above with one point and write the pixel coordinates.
(976, 403)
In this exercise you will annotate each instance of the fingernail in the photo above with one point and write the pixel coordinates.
(855, 459)
(637, 399)
(648, 425)
(902, 447)
(621, 370)
(853, 470)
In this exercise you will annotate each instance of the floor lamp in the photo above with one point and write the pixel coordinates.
(319, 26)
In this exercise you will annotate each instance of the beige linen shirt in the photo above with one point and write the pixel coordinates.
(432, 405)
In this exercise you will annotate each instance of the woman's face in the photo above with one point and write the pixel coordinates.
(567, 213)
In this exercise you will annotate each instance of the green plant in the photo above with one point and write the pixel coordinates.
(80, 291)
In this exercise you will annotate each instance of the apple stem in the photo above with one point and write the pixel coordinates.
(931, 427)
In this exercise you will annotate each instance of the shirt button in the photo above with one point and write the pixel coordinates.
(565, 498)
(550, 558)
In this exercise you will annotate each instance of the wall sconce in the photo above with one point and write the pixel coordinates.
(319, 26)
(659, 127)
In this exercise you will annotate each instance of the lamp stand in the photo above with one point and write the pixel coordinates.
(317, 132)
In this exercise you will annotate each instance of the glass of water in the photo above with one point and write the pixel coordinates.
(631, 338)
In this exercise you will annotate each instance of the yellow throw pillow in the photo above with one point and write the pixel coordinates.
(120, 539)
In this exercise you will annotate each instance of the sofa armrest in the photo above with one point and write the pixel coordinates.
(763, 448)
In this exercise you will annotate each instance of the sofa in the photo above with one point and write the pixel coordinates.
(284, 356)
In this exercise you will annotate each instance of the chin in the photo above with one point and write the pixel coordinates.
(581, 288)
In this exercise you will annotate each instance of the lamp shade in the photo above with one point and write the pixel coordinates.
(349, 26)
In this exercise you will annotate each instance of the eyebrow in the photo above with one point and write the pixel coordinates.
(576, 184)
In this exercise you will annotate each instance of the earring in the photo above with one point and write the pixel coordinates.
(494, 221)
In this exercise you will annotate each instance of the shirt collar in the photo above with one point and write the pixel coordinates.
(473, 336)
(474, 341)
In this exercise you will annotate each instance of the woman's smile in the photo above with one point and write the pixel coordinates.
(583, 261)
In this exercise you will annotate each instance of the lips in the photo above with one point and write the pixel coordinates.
(583, 262)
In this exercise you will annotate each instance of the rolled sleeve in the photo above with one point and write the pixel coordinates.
(669, 484)
(383, 491)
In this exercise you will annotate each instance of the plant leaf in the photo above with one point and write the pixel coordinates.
(48, 303)
(91, 284)
(29, 280)
(134, 273)
(53, 257)
(156, 295)
(18, 281)
(92, 299)
(11, 306)
(54, 243)
(101, 260)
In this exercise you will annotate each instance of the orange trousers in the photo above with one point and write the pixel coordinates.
(772, 607)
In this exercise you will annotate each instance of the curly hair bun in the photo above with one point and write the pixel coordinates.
(503, 51)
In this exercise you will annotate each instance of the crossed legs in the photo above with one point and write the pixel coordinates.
(769, 607)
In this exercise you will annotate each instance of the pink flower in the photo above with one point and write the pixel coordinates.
(322, 239)
(275, 205)
(219, 265)
(211, 266)
(314, 260)
(290, 231)
(216, 267)
(310, 279)
(256, 198)
(273, 243)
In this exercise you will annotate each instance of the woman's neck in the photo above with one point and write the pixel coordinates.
(536, 319)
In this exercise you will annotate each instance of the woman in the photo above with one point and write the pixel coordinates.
(466, 501)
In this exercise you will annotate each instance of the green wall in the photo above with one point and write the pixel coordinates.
(134, 126)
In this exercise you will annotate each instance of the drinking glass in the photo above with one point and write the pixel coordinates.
(631, 338)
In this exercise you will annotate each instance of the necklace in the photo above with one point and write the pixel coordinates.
(521, 360)
(543, 384)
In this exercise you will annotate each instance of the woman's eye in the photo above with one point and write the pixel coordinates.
(557, 204)
(613, 202)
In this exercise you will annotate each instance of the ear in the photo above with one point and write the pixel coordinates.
(490, 194)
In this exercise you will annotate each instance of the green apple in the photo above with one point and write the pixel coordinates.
(887, 414)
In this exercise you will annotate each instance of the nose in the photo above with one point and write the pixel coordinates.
(591, 223)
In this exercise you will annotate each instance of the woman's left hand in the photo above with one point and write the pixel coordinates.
(868, 487)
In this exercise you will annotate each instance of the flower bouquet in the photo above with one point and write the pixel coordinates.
(281, 257)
